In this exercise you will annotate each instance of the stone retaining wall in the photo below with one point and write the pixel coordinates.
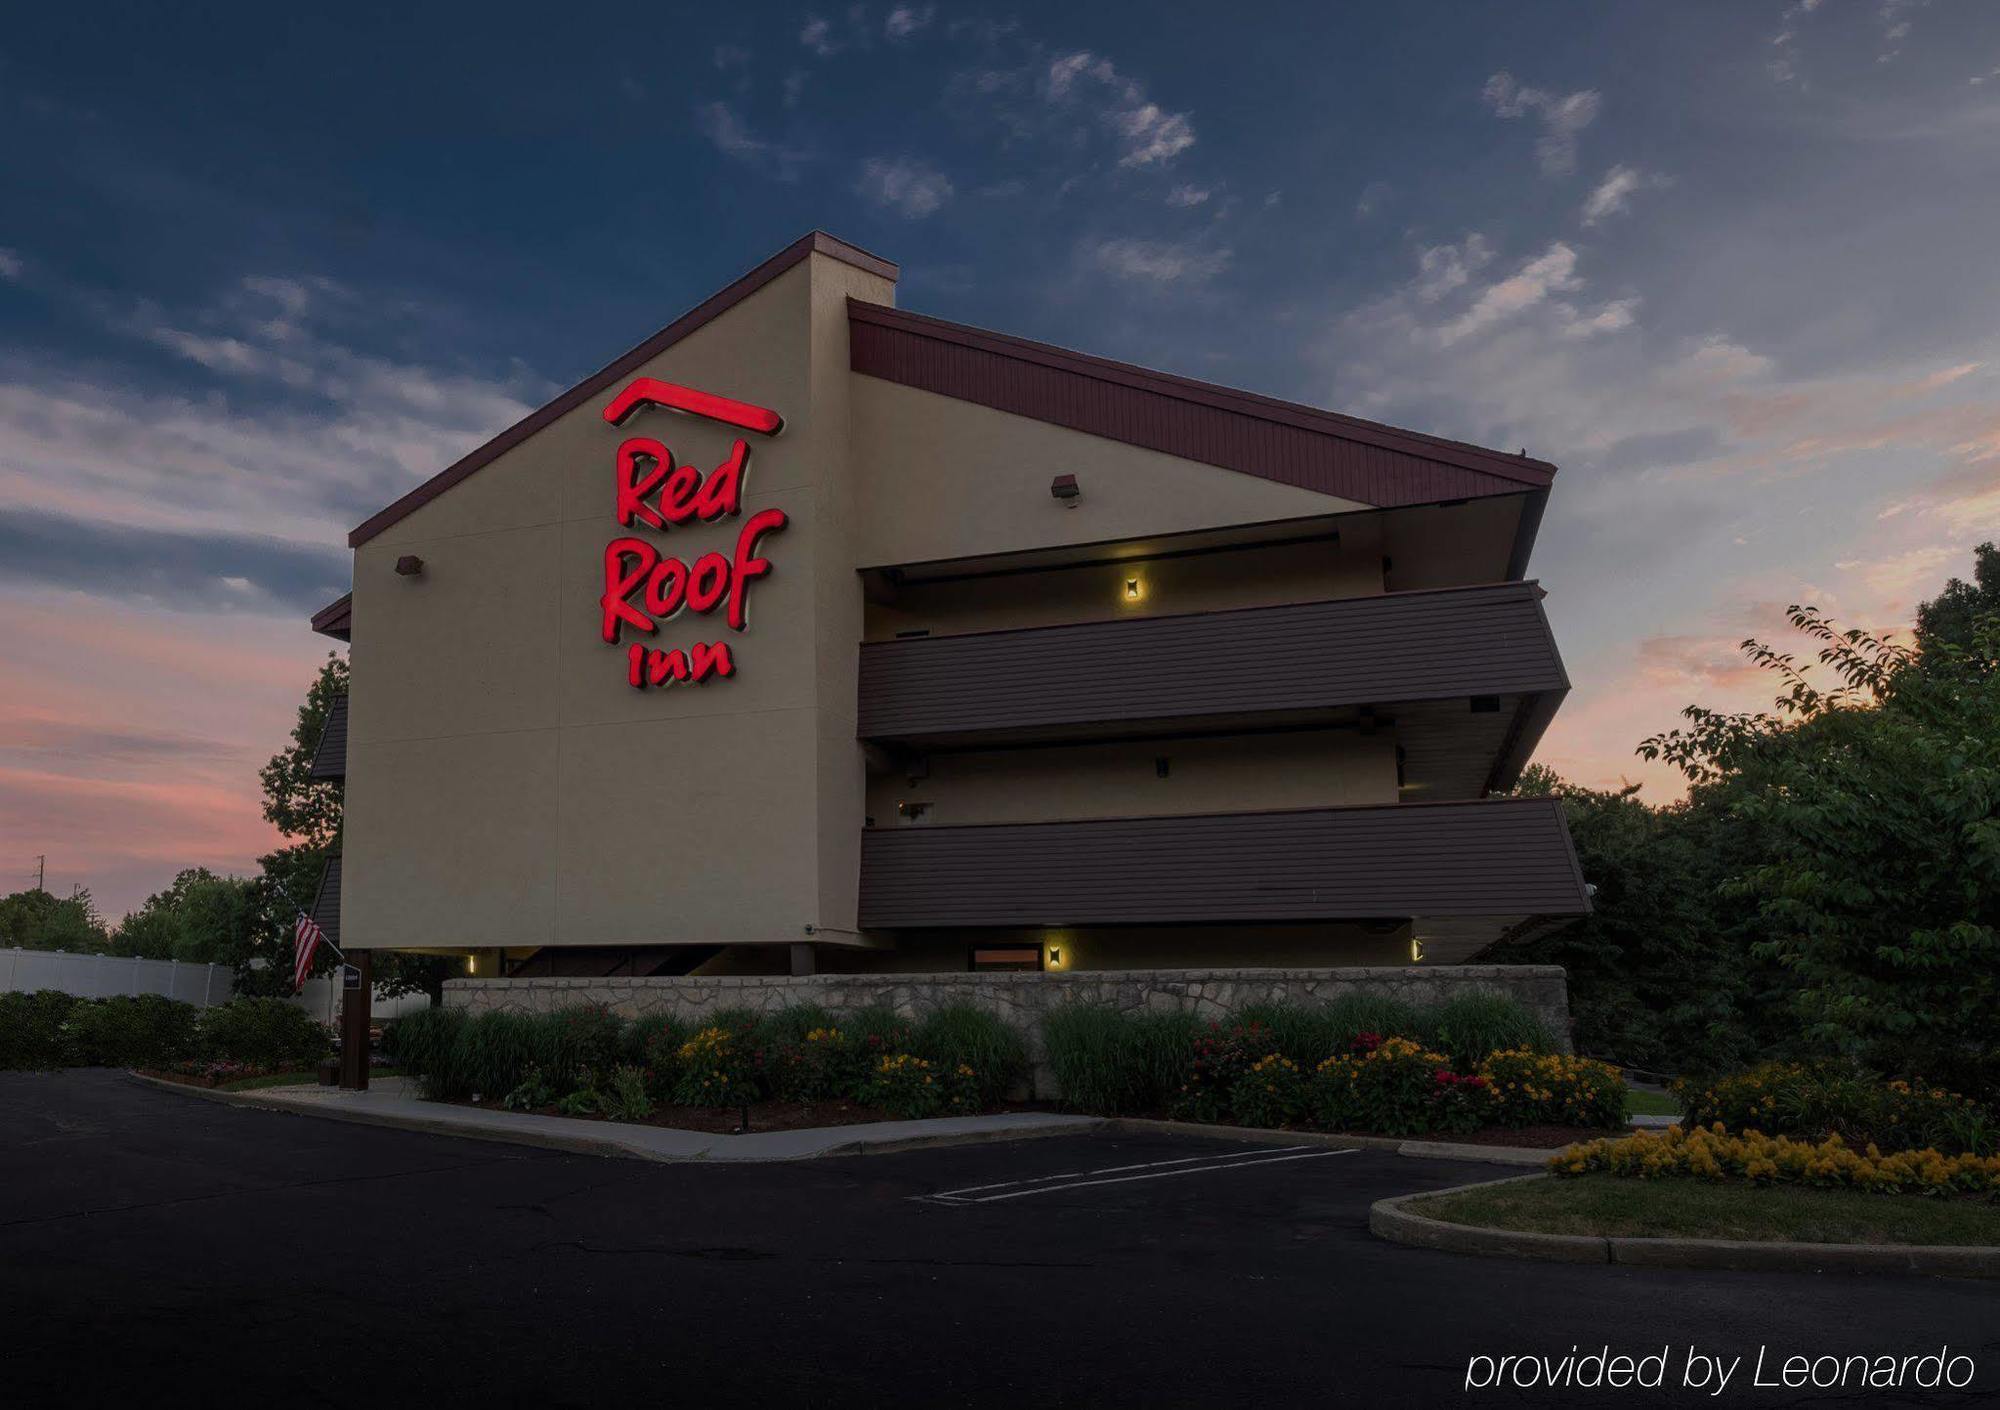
(1023, 999)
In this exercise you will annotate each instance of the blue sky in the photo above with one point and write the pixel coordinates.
(1726, 264)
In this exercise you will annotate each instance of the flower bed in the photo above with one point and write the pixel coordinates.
(1713, 1153)
(1812, 1102)
(793, 1067)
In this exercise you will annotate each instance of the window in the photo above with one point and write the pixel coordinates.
(1006, 957)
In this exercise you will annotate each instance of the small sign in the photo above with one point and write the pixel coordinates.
(350, 977)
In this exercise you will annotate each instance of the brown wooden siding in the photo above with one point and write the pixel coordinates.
(330, 756)
(1310, 655)
(326, 903)
(1495, 858)
(1283, 441)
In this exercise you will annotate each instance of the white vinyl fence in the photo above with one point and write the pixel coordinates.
(101, 976)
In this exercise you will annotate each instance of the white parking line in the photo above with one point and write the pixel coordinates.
(1114, 1170)
(1192, 1165)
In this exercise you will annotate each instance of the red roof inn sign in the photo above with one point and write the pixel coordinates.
(654, 491)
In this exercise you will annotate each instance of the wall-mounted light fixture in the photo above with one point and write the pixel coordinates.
(1135, 590)
(472, 964)
(1055, 957)
(1416, 950)
(409, 566)
(1066, 489)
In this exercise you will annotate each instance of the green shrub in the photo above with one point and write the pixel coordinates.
(1471, 1027)
(912, 1087)
(1222, 1057)
(791, 1023)
(959, 1037)
(31, 1029)
(658, 1041)
(1348, 1017)
(818, 1066)
(1844, 1100)
(144, 1030)
(1113, 1063)
(269, 1033)
(1391, 1089)
(418, 1042)
(720, 1067)
(1553, 1089)
(1271, 1092)
(584, 1038)
(494, 1052)
(624, 1096)
(534, 1093)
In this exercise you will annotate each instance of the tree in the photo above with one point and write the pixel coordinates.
(1952, 617)
(201, 918)
(1872, 812)
(1659, 972)
(38, 920)
(308, 812)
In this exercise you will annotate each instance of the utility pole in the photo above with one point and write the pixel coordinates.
(41, 872)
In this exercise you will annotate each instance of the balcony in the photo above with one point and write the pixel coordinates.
(1469, 676)
(1479, 869)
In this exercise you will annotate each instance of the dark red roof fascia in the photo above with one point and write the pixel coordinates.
(336, 619)
(1321, 450)
(818, 242)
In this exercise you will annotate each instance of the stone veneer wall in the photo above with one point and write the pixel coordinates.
(1023, 999)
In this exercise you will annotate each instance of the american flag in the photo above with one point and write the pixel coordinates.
(306, 938)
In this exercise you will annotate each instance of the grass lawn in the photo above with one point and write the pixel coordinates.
(1613, 1205)
(1638, 1103)
(289, 1079)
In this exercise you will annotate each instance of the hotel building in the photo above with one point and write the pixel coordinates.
(812, 635)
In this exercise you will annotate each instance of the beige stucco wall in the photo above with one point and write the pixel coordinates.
(1237, 773)
(505, 784)
(1262, 576)
(940, 478)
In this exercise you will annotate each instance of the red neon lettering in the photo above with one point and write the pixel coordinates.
(633, 487)
(646, 667)
(708, 580)
(650, 391)
(748, 564)
(619, 582)
(722, 492)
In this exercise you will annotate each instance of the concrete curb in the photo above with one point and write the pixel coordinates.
(543, 1133)
(1423, 1150)
(1391, 1219)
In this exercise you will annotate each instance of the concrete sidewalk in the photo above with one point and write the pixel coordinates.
(389, 1102)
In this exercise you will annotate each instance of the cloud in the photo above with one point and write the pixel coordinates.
(1552, 271)
(1443, 268)
(12, 266)
(906, 20)
(1562, 118)
(1147, 133)
(913, 189)
(731, 56)
(1372, 198)
(1162, 261)
(732, 136)
(1613, 195)
(817, 35)
(206, 571)
(1783, 66)
(1185, 196)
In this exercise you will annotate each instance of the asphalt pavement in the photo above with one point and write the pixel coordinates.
(160, 1249)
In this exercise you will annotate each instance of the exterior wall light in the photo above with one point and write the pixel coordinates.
(1135, 590)
(409, 566)
(1066, 489)
(1416, 950)
(472, 964)
(1055, 957)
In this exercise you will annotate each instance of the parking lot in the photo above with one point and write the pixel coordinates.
(165, 1249)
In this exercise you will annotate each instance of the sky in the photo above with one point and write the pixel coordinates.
(1729, 265)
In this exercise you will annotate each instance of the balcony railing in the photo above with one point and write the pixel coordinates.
(1271, 662)
(1500, 858)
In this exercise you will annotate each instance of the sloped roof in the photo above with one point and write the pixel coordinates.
(1345, 456)
(1359, 460)
(817, 242)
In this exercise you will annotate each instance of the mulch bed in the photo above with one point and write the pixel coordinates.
(1540, 1137)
